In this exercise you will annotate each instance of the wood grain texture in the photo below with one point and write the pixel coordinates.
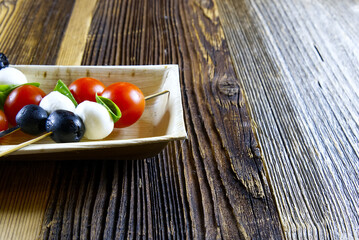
(74, 41)
(25, 24)
(297, 62)
(211, 186)
(25, 185)
(24, 192)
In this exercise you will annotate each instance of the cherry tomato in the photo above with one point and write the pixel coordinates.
(18, 98)
(3, 121)
(86, 88)
(129, 98)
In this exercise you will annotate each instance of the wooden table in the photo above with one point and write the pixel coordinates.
(270, 93)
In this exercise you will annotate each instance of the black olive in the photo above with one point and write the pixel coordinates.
(4, 62)
(65, 126)
(31, 119)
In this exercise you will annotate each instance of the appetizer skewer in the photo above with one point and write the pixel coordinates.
(9, 131)
(50, 132)
(86, 108)
(16, 128)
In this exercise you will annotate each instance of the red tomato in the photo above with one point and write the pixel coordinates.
(3, 121)
(86, 88)
(18, 98)
(129, 98)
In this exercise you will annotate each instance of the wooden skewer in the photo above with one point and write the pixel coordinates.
(8, 131)
(156, 95)
(24, 144)
(14, 129)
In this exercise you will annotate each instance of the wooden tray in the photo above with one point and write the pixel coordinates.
(161, 122)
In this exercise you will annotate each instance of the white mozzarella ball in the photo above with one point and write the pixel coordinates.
(10, 75)
(98, 121)
(56, 101)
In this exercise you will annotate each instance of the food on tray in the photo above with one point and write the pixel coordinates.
(31, 119)
(20, 97)
(56, 100)
(98, 121)
(129, 98)
(97, 117)
(65, 126)
(4, 125)
(10, 75)
(86, 89)
(86, 108)
(97, 106)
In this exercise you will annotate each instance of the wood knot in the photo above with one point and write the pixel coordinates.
(228, 86)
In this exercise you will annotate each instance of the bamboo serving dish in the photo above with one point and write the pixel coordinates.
(161, 122)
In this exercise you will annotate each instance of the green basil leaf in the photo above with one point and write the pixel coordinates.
(5, 87)
(111, 107)
(63, 89)
(5, 90)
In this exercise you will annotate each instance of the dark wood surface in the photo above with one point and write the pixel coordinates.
(257, 164)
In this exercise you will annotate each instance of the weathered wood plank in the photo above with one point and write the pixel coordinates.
(74, 40)
(211, 186)
(24, 192)
(297, 62)
(25, 186)
(31, 31)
